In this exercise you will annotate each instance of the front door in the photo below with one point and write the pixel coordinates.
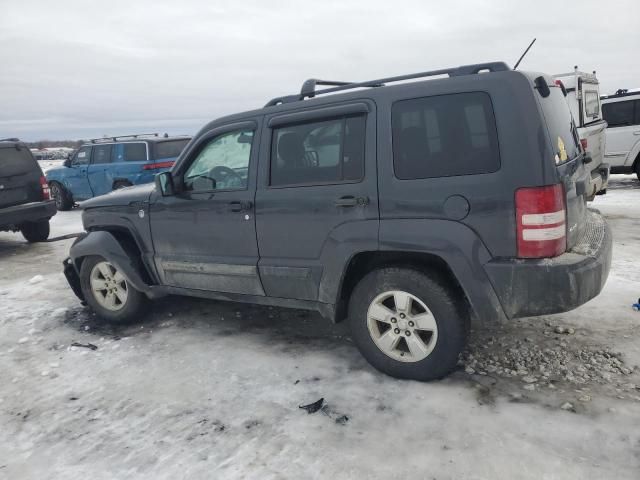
(98, 171)
(75, 179)
(205, 236)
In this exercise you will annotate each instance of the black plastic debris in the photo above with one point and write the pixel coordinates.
(90, 346)
(342, 420)
(313, 407)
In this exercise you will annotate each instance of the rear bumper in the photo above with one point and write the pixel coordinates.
(528, 288)
(28, 212)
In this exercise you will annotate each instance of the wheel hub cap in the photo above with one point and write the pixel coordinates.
(108, 286)
(402, 326)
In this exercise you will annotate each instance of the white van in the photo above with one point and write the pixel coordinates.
(583, 96)
(622, 112)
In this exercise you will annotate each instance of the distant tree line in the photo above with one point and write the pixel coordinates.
(56, 143)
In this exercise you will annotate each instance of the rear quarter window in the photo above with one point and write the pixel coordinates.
(444, 136)
(16, 162)
(620, 114)
(170, 148)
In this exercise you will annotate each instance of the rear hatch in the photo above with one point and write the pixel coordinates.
(567, 160)
(19, 176)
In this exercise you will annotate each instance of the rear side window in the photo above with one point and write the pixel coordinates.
(329, 151)
(170, 148)
(101, 154)
(130, 152)
(15, 162)
(621, 114)
(444, 136)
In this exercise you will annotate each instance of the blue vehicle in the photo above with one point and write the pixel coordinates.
(107, 164)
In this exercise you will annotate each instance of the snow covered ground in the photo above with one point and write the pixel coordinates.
(205, 389)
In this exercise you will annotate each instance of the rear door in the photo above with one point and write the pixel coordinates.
(19, 176)
(75, 178)
(129, 159)
(623, 131)
(572, 172)
(317, 197)
(99, 170)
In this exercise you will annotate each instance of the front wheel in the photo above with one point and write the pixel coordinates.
(35, 231)
(108, 292)
(408, 324)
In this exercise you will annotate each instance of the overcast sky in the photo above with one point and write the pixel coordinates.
(78, 69)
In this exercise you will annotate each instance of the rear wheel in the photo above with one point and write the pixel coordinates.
(61, 196)
(408, 324)
(35, 231)
(107, 291)
(638, 167)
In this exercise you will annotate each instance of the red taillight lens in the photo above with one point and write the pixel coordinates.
(154, 166)
(541, 221)
(584, 143)
(46, 195)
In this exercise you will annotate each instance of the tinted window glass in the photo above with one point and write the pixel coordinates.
(444, 136)
(560, 125)
(101, 154)
(135, 152)
(82, 156)
(15, 162)
(170, 149)
(222, 164)
(329, 151)
(618, 114)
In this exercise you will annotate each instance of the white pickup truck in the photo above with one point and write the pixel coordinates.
(583, 96)
(622, 112)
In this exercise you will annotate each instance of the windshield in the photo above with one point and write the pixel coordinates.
(14, 161)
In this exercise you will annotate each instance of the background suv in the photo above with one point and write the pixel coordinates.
(622, 113)
(25, 204)
(408, 208)
(107, 164)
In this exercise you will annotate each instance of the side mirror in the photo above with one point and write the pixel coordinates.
(164, 184)
(67, 162)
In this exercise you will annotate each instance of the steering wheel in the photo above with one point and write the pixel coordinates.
(224, 174)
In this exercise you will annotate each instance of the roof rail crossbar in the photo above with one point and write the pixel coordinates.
(308, 88)
(119, 137)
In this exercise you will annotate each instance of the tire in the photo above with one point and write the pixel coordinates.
(125, 307)
(63, 199)
(638, 168)
(35, 231)
(121, 184)
(424, 349)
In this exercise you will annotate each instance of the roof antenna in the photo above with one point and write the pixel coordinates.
(525, 52)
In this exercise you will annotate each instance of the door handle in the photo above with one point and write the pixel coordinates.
(351, 201)
(238, 206)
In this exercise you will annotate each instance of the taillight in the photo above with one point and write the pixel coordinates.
(584, 143)
(541, 221)
(46, 195)
(154, 166)
(561, 85)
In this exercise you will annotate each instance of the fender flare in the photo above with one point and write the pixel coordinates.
(104, 244)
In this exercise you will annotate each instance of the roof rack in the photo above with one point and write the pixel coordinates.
(9, 139)
(120, 137)
(622, 92)
(308, 89)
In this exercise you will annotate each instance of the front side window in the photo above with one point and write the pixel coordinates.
(82, 156)
(101, 154)
(618, 114)
(222, 164)
(444, 136)
(329, 151)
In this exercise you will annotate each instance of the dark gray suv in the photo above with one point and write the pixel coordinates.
(409, 208)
